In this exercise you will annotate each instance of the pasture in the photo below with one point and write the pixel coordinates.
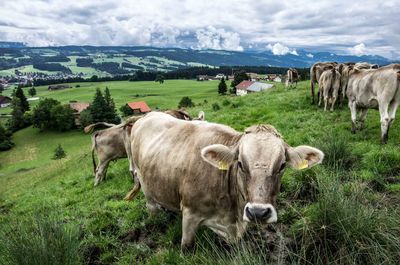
(344, 211)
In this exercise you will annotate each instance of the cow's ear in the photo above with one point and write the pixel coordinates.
(303, 156)
(201, 116)
(218, 155)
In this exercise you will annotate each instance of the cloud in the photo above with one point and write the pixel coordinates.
(279, 49)
(358, 49)
(218, 39)
(314, 26)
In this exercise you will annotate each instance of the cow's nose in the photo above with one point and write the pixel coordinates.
(260, 213)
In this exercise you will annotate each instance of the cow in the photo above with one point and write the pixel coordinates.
(378, 89)
(315, 72)
(292, 76)
(329, 85)
(216, 176)
(112, 143)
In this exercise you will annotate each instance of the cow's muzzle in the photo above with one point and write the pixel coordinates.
(258, 212)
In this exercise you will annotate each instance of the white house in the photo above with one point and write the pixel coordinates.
(246, 87)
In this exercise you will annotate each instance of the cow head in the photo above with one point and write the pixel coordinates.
(258, 162)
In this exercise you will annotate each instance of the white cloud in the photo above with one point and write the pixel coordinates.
(358, 49)
(218, 39)
(280, 49)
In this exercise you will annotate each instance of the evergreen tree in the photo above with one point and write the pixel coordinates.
(222, 88)
(17, 120)
(97, 107)
(59, 152)
(111, 113)
(19, 93)
(5, 139)
(237, 79)
(32, 91)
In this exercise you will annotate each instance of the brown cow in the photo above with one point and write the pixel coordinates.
(112, 143)
(315, 73)
(375, 88)
(329, 85)
(214, 175)
(292, 76)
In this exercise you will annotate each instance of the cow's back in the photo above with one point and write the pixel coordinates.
(167, 155)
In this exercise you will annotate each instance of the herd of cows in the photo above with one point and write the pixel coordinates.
(219, 177)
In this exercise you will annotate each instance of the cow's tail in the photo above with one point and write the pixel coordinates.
(91, 127)
(135, 190)
(313, 75)
(93, 149)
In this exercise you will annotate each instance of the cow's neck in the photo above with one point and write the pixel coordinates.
(237, 192)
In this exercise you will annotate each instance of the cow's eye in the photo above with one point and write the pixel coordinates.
(240, 166)
(282, 167)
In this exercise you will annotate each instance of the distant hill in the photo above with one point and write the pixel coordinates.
(112, 60)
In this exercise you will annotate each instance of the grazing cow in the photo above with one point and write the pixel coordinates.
(113, 143)
(315, 73)
(329, 85)
(214, 175)
(375, 88)
(292, 77)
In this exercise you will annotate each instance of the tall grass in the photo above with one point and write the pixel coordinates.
(39, 240)
(339, 229)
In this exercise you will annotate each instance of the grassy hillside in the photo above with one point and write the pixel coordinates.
(343, 211)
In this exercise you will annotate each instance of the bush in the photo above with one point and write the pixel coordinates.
(5, 139)
(59, 153)
(38, 241)
(126, 110)
(185, 102)
(226, 102)
(85, 118)
(215, 107)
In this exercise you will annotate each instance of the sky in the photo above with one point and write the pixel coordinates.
(367, 27)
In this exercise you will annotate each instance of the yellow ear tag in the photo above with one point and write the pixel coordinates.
(222, 166)
(303, 164)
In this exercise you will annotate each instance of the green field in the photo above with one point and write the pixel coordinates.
(345, 211)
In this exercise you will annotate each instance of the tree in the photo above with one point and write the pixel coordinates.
(5, 139)
(159, 78)
(50, 114)
(103, 107)
(222, 88)
(1, 88)
(19, 93)
(32, 91)
(85, 118)
(126, 110)
(17, 120)
(185, 102)
(238, 77)
(59, 153)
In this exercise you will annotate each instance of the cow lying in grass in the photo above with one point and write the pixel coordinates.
(214, 175)
(112, 143)
(375, 89)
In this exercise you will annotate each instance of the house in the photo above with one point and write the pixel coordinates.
(220, 76)
(246, 87)
(278, 79)
(4, 101)
(253, 76)
(202, 78)
(78, 107)
(139, 107)
(57, 87)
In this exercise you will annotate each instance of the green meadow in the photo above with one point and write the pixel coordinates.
(344, 211)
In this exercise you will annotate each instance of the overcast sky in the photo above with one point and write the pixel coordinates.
(340, 26)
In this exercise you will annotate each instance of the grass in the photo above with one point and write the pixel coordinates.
(354, 194)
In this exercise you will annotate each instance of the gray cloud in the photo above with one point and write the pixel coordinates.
(342, 26)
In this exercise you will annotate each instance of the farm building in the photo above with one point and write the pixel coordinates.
(253, 76)
(246, 87)
(58, 87)
(220, 76)
(4, 101)
(139, 107)
(78, 107)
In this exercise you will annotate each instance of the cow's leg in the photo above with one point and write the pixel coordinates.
(392, 113)
(320, 95)
(363, 116)
(325, 102)
(135, 190)
(333, 102)
(312, 92)
(101, 171)
(384, 113)
(353, 110)
(190, 224)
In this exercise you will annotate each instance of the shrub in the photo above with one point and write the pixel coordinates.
(59, 153)
(85, 118)
(226, 102)
(215, 107)
(38, 241)
(185, 102)
(5, 139)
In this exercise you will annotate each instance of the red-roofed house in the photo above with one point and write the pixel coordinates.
(245, 87)
(78, 107)
(139, 107)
